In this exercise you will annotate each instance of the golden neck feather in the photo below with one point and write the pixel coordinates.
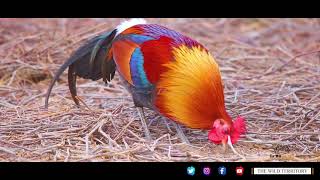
(191, 91)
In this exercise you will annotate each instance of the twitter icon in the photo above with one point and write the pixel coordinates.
(191, 170)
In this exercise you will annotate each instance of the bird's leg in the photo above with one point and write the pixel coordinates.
(144, 124)
(180, 133)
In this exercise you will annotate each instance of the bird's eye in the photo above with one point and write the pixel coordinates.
(226, 131)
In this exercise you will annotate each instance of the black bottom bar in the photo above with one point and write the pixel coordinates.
(134, 169)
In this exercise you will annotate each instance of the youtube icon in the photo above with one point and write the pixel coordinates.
(239, 171)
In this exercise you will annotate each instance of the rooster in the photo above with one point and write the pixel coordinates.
(163, 70)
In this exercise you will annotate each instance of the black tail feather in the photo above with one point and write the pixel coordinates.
(72, 82)
(88, 62)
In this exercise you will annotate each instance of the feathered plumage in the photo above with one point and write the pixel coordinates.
(163, 70)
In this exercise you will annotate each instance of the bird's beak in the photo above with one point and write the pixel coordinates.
(224, 145)
(232, 148)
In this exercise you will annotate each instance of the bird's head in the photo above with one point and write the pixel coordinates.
(221, 129)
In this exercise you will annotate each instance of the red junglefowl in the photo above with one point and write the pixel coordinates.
(164, 71)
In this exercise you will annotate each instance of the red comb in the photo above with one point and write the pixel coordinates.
(239, 127)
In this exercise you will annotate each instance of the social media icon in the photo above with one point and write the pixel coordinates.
(191, 170)
(222, 170)
(207, 171)
(239, 171)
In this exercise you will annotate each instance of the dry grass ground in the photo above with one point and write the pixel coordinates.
(278, 94)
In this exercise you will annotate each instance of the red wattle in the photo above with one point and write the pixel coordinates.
(212, 136)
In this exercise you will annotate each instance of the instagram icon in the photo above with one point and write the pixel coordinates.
(207, 171)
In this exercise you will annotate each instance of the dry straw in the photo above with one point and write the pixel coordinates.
(265, 81)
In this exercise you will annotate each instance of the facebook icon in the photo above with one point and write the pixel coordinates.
(222, 170)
